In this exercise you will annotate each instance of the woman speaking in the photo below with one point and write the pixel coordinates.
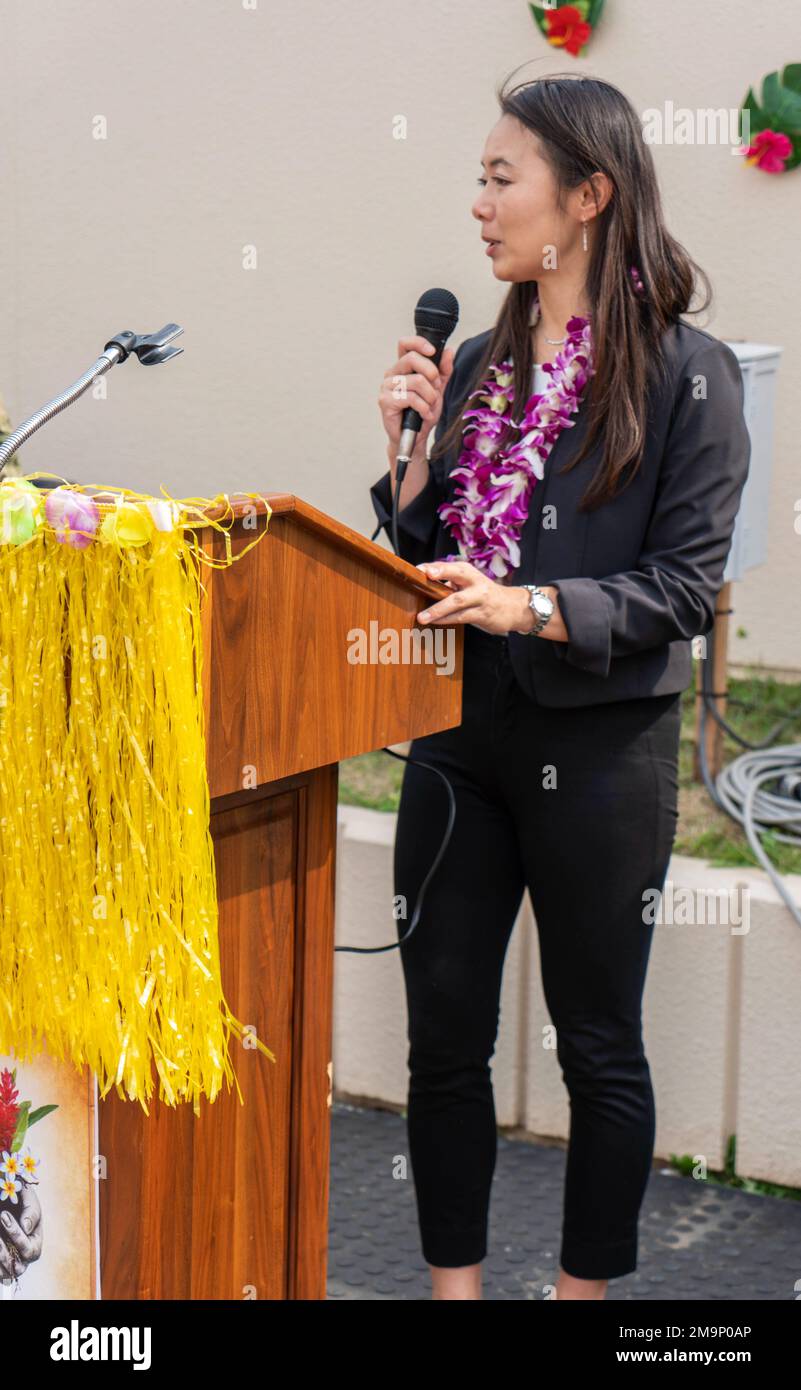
(579, 501)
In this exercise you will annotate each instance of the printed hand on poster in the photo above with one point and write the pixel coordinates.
(21, 1230)
(22, 1233)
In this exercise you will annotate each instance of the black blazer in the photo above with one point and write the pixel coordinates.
(638, 577)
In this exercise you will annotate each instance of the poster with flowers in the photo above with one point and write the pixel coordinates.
(568, 26)
(47, 1187)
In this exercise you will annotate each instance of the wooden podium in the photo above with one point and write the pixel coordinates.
(233, 1204)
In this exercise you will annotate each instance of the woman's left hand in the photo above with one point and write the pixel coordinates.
(493, 607)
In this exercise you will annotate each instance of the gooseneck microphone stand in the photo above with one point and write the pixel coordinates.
(150, 348)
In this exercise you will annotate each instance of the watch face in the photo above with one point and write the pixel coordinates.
(543, 605)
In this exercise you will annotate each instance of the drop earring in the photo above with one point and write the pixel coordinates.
(584, 235)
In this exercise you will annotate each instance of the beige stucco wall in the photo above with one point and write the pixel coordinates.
(269, 124)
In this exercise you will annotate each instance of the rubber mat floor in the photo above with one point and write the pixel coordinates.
(697, 1240)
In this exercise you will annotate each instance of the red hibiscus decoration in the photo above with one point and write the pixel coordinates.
(566, 28)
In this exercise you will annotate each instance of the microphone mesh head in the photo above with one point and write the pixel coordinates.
(437, 312)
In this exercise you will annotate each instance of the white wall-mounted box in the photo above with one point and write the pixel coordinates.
(759, 364)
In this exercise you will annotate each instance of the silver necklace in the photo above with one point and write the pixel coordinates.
(554, 342)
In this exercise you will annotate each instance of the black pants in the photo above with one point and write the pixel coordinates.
(580, 805)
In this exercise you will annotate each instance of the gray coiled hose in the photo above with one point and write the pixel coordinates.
(738, 788)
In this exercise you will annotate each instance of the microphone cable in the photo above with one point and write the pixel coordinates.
(393, 945)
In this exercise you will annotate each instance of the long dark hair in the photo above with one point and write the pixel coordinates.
(586, 125)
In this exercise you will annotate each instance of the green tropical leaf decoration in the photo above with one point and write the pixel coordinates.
(21, 1127)
(779, 112)
(568, 25)
(40, 1113)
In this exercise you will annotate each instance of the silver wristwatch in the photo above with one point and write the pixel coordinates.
(541, 605)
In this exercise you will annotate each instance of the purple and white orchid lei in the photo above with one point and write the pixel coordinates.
(492, 501)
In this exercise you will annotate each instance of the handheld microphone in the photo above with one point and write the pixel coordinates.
(435, 317)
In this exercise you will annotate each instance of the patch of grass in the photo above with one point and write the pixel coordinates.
(756, 704)
(728, 1177)
(372, 780)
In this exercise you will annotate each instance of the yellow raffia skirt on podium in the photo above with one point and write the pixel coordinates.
(109, 944)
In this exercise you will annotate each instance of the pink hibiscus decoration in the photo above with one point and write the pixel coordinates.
(769, 150)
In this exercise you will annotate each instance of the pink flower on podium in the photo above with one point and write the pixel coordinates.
(73, 516)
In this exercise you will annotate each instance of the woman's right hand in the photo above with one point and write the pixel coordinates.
(422, 387)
